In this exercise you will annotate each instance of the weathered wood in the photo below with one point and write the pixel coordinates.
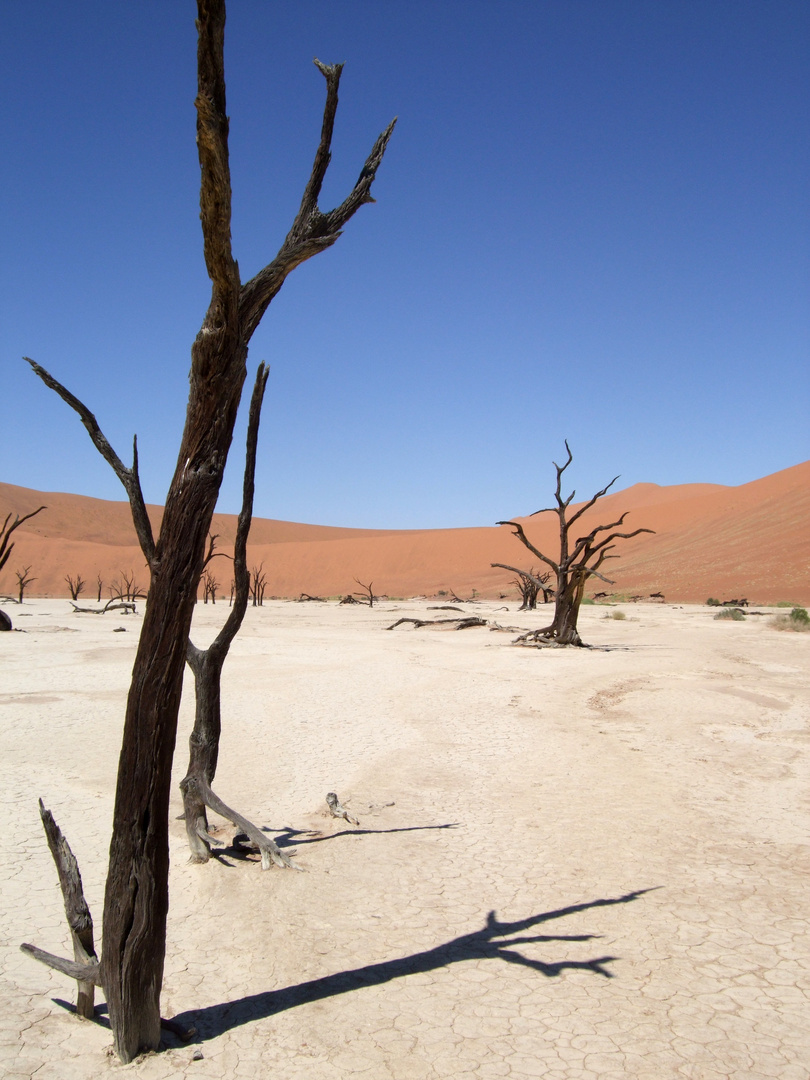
(113, 605)
(467, 623)
(136, 895)
(337, 810)
(84, 974)
(77, 912)
(5, 621)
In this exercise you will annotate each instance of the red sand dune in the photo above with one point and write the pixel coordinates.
(749, 541)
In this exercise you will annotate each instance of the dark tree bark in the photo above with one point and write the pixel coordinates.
(78, 914)
(578, 560)
(136, 896)
(206, 665)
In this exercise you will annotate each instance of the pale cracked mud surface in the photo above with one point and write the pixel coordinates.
(570, 864)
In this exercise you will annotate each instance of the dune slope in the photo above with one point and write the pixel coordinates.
(709, 540)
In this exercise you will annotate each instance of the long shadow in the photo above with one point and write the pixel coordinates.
(484, 944)
(287, 837)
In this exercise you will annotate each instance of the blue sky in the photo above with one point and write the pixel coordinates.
(592, 223)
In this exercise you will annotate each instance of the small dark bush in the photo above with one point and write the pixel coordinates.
(711, 602)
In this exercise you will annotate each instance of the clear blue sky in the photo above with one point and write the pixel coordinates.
(592, 223)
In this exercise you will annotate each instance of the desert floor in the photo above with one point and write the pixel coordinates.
(570, 863)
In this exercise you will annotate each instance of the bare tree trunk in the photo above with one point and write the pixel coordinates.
(206, 665)
(136, 896)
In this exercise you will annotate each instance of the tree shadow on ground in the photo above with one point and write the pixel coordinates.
(287, 837)
(489, 943)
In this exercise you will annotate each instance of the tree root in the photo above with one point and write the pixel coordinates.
(270, 852)
(541, 639)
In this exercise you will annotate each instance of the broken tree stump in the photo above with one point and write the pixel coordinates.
(85, 966)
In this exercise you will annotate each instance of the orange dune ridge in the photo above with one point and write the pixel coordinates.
(750, 541)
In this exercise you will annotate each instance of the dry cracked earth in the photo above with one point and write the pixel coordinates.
(570, 864)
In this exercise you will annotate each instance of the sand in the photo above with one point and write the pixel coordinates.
(570, 863)
(749, 541)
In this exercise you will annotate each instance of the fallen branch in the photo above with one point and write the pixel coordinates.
(111, 605)
(466, 623)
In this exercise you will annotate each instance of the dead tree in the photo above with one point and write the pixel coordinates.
(257, 584)
(529, 584)
(206, 665)
(75, 585)
(126, 588)
(367, 593)
(99, 588)
(136, 896)
(210, 586)
(23, 581)
(578, 560)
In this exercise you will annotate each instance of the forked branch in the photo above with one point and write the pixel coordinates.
(313, 230)
(5, 533)
(128, 477)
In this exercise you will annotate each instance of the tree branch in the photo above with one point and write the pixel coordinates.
(523, 573)
(7, 530)
(591, 501)
(521, 535)
(240, 569)
(312, 231)
(128, 477)
(212, 149)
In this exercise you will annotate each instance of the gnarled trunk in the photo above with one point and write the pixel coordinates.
(137, 895)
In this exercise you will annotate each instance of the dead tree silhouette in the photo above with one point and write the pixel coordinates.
(136, 896)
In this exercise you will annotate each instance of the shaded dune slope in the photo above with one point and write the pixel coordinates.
(710, 540)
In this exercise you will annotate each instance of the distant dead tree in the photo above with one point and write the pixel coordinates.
(75, 585)
(125, 587)
(136, 896)
(367, 593)
(529, 583)
(23, 581)
(99, 588)
(578, 560)
(258, 583)
(210, 586)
